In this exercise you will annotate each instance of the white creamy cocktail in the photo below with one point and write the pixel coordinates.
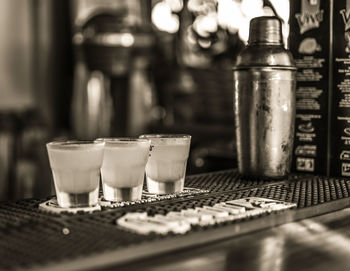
(123, 168)
(166, 166)
(76, 168)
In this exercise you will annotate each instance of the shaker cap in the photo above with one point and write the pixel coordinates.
(265, 30)
(265, 46)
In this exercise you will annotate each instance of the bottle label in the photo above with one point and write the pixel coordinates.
(311, 16)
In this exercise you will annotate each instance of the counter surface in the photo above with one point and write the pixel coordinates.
(314, 235)
(320, 243)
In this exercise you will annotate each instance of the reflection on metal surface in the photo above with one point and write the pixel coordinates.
(91, 104)
(321, 243)
(196, 263)
(330, 241)
(271, 254)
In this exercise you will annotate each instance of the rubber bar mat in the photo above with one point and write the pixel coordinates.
(32, 239)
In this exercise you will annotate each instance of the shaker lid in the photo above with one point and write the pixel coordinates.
(266, 30)
(265, 46)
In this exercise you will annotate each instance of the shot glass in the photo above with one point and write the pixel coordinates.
(76, 168)
(166, 166)
(123, 168)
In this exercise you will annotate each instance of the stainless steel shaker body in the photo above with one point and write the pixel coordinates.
(264, 89)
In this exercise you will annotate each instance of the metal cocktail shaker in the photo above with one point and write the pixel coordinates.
(264, 106)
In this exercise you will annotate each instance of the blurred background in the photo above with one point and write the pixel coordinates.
(82, 69)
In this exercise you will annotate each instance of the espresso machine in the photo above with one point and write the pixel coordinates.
(112, 93)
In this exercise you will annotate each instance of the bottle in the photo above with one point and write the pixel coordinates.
(264, 102)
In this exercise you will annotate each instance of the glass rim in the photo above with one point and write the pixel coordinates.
(178, 136)
(123, 140)
(73, 144)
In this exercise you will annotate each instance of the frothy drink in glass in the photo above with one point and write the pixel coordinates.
(166, 166)
(123, 168)
(76, 168)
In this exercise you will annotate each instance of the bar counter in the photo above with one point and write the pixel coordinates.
(311, 233)
(319, 243)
